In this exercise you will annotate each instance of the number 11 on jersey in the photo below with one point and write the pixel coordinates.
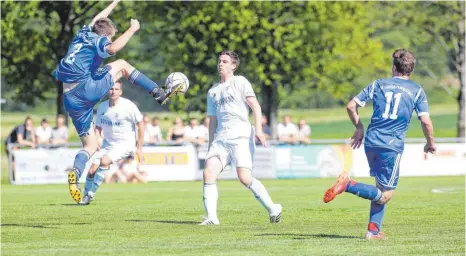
(388, 98)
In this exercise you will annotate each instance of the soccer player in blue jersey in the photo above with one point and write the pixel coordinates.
(84, 83)
(394, 100)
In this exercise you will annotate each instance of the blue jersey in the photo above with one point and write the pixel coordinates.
(394, 100)
(84, 56)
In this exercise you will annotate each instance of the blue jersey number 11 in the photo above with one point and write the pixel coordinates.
(388, 98)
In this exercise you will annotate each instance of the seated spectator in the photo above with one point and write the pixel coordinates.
(193, 133)
(155, 131)
(204, 128)
(176, 132)
(114, 174)
(43, 132)
(304, 132)
(130, 167)
(60, 134)
(287, 131)
(147, 133)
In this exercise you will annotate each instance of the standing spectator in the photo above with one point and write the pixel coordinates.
(156, 132)
(43, 132)
(60, 134)
(148, 129)
(176, 132)
(204, 128)
(22, 134)
(304, 132)
(287, 131)
(266, 128)
(193, 133)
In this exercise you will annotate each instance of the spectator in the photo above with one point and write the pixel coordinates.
(266, 128)
(287, 131)
(176, 132)
(204, 128)
(60, 134)
(130, 167)
(43, 132)
(156, 132)
(147, 133)
(304, 132)
(193, 133)
(113, 175)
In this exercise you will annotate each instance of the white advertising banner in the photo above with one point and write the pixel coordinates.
(449, 160)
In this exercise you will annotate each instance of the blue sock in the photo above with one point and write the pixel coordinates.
(89, 184)
(143, 81)
(376, 217)
(99, 177)
(80, 161)
(364, 190)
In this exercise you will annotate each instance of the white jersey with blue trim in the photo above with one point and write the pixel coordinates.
(119, 122)
(227, 102)
(85, 55)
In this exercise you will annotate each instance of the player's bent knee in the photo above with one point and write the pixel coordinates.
(386, 197)
(105, 161)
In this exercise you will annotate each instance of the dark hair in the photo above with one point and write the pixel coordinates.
(233, 55)
(155, 118)
(44, 120)
(104, 27)
(404, 61)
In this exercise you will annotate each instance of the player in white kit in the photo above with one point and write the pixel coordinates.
(231, 137)
(117, 119)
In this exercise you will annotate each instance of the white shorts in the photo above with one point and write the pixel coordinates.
(239, 152)
(115, 153)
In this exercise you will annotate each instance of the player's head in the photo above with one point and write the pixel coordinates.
(403, 62)
(104, 27)
(228, 62)
(116, 91)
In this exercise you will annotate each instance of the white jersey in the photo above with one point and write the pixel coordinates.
(118, 123)
(227, 101)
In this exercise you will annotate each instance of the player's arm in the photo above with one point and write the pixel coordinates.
(352, 110)
(121, 41)
(422, 109)
(257, 112)
(104, 13)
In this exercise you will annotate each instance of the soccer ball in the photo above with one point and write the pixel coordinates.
(175, 79)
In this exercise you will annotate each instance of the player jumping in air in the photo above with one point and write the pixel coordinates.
(84, 84)
(117, 119)
(231, 137)
(394, 100)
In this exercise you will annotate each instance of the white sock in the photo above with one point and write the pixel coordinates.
(210, 200)
(99, 177)
(261, 194)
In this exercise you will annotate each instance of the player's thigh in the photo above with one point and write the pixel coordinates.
(242, 151)
(89, 138)
(386, 169)
(116, 153)
(120, 68)
(217, 158)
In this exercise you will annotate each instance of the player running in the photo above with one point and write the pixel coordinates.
(117, 119)
(394, 100)
(231, 137)
(84, 84)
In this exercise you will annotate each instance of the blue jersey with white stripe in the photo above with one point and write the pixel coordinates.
(85, 54)
(394, 100)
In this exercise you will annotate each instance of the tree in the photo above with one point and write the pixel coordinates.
(283, 46)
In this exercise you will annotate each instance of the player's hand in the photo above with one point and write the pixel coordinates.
(140, 155)
(134, 25)
(356, 139)
(261, 138)
(430, 148)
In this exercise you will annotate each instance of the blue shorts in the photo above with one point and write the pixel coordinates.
(80, 101)
(385, 166)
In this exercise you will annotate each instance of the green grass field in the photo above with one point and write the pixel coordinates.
(160, 219)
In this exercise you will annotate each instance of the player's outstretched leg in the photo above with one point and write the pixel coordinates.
(210, 191)
(121, 68)
(260, 193)
(337, 188)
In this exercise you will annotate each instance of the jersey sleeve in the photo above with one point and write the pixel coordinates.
(136, 115)
(247, 90)
(366, 94)
(211, 111)
(420, 103)
(101, 44)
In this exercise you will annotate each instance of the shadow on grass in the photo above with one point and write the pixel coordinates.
(71, 204)
(304, 236)
(48, 225)
(167, 221)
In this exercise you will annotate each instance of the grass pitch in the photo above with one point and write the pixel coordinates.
(161, 218)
